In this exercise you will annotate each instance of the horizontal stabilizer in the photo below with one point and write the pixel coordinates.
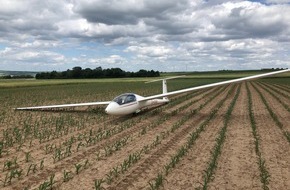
(164, 83)
(165, 79)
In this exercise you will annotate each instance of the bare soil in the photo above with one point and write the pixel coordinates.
(274, 146)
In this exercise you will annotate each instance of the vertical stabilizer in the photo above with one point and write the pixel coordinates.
(164, 84)
(164, 88)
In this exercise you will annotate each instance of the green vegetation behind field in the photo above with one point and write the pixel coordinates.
(19, 93)
(102, 90)
(280, 80)
(224, 74)
(200, 78)
(7, 83)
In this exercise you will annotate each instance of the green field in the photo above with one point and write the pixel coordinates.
(199, 78)
(29, 93)
(17, 93)
(224, 74)
(40, 92)
(41, 145)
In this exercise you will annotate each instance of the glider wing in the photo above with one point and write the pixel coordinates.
(212, 85)
(64, 105)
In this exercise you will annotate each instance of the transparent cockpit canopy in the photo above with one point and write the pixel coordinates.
(125, 98)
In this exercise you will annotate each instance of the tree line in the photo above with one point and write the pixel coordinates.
(16, 77)
(79, 73)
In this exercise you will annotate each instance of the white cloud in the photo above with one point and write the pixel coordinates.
(150, 51)
(152, 34)
(277, 1)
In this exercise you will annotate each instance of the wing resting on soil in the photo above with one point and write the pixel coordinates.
(64, 105)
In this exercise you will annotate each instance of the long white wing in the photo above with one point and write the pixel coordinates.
(64, 105)
(212, 85)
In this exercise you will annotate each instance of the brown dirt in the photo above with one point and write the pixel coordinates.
(274, 147)
(284, 96)
(282, 113)
(153, 164)
(145, 163)
(237, 167)
(189, 173)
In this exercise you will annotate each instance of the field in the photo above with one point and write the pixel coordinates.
(229, 137)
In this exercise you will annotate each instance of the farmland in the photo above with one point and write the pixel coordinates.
(229, 137)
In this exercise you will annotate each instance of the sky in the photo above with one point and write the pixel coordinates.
(163, 35)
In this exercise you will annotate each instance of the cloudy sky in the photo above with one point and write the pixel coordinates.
(164, 35)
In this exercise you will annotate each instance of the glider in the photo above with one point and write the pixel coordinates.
(130, 103)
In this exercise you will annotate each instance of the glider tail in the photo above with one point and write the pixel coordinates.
(164, 84)
(164, 88)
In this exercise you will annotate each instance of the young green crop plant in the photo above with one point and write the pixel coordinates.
(78, 168)
(32, 167)
(98, 184)
(157, 182)
(27, 156)
(47, 184)
(66, 176)
(41, 164)
(86, 164)
(14, 173)
(10, 164)
(109, 177)
(116, 171)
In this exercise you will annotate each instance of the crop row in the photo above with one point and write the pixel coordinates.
(93, 137)
(157, 182)
(273, 115)
(268, 87)
(219, 142)
(60, 153)
(264, 174)
(158, 140)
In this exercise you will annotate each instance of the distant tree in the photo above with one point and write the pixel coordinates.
(17, 77)
(6, 77)
(53, 75)
(78, 72)
(88, 73)
(98, 72)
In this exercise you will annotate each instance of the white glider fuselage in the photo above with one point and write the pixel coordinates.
(130, 103)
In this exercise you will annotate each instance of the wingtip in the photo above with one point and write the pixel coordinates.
(19, 109)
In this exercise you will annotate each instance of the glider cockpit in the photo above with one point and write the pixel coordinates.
(124, 104)
(125, 98)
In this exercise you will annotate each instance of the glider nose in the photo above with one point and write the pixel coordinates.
(111, 108)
